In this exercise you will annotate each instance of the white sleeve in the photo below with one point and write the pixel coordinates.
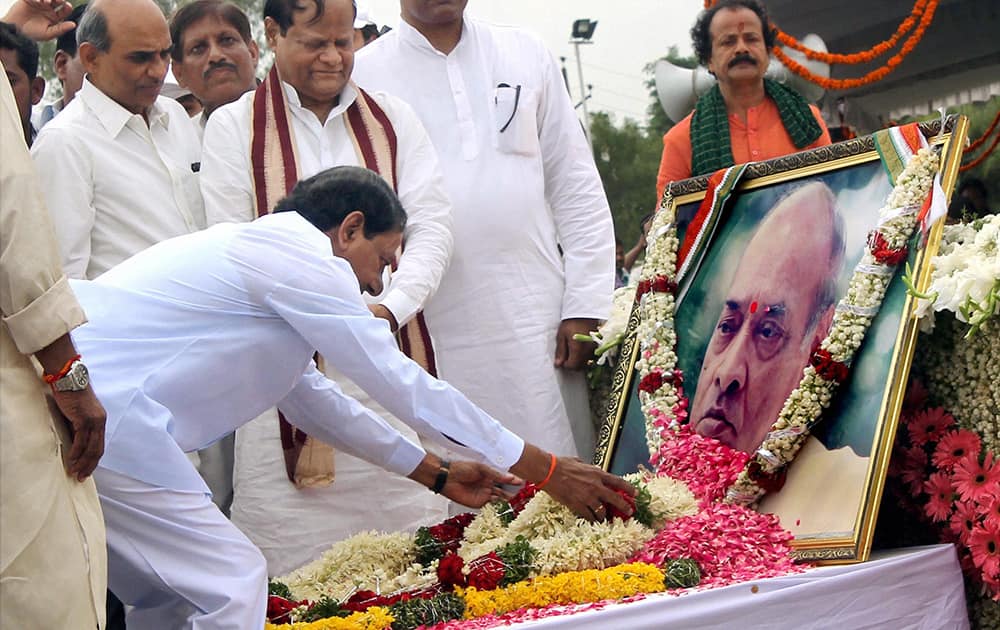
(64, 172)
(318, 406)
(361, 346)
(226, 185)
(574, 191)
(428, 235)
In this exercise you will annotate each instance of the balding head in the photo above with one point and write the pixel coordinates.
(125, 47)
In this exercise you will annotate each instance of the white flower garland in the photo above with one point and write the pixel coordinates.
(385, 563)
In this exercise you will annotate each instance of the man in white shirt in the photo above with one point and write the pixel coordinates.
(533, 262)
(314, 56)
(194, 336)
(214, 54)
(119, 165)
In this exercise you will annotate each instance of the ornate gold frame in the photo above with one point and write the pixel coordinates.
(833, 550)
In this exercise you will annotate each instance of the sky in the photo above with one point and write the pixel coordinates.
(629, 34)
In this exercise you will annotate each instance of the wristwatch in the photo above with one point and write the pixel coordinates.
(76, 379)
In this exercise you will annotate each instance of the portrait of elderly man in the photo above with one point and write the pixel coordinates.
(779, 306)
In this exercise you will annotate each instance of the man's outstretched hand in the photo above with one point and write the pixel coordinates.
(41, 20)
(583, 488)
(469, 483)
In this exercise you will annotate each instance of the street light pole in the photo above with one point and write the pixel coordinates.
(583, 92)
(583, 30)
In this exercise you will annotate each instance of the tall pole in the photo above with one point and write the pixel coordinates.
(583, 94)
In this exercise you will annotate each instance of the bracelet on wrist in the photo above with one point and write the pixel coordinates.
(442, 477)
(548, 477)
(52, 378)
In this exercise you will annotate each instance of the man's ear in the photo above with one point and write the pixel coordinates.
(254, 53)
(348, 232)
(59, 61)
(271, 32)
(37, 90)
(823, 325)
(89, 56)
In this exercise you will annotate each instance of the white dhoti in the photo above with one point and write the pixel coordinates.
(176, 562)
(293, 526)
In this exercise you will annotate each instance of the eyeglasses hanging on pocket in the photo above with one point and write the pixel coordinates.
(506, 100)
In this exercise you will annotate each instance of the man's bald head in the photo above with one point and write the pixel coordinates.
(125, 47)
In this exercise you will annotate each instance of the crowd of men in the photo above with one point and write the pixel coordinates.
(205, 311)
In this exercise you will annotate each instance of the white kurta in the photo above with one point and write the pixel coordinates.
(195, 336)
(523, 184)
(324, 515)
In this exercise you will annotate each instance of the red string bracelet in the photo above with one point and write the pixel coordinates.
(548, 477)
(52, 378)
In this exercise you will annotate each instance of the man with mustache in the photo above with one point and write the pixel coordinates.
(779, 307)
(214, 54)
(119, 165)
(307, 115)
(744, 117)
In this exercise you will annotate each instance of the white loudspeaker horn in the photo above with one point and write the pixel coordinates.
(679, 88)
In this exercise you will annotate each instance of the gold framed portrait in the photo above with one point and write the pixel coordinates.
(787, 243)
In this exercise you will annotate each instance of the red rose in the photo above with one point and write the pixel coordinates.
(449, 570)
(883, 253)
(486, 572)
(522, 497)
(614, 512)
(279, 607)
(651, 382)
(827, 367)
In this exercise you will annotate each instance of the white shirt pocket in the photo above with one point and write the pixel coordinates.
(515, 128)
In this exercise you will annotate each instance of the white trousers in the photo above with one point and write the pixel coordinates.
(176, 561)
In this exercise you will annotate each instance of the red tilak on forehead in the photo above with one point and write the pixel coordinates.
(753, 307)
(741, 26)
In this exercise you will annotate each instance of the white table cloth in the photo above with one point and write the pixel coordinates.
(914, 588)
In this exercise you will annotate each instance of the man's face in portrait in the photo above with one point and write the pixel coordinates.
(779, 305)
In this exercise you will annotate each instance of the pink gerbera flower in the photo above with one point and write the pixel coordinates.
(929, 426)
(963, 520)
(990, 509)
(939, 503)
(975, 481)
(956, 446)
(984, 543)
(914, 468)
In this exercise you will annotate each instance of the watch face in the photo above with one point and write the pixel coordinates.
(76, 379)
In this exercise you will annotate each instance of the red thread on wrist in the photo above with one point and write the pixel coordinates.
(52, 378)
(548, 477)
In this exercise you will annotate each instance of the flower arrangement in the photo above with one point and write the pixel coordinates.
(945, 469)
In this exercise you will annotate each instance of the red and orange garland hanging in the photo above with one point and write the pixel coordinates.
(980, 142)
(920, 16)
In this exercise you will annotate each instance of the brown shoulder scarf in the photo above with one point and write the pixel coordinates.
(274, 169)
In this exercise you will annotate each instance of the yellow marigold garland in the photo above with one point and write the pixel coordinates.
(575, 587)
(375, 618)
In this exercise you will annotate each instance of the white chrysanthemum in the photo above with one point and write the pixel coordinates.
(366, 560)
(670, 500)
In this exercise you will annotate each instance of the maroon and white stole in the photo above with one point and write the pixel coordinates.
(274, 164)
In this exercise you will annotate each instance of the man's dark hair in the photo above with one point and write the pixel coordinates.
(369, 32)
(701, 38)
(283, 11)
(27, 50)
(93, 29)
(326, 198)
(194, 12)
(67, 41)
